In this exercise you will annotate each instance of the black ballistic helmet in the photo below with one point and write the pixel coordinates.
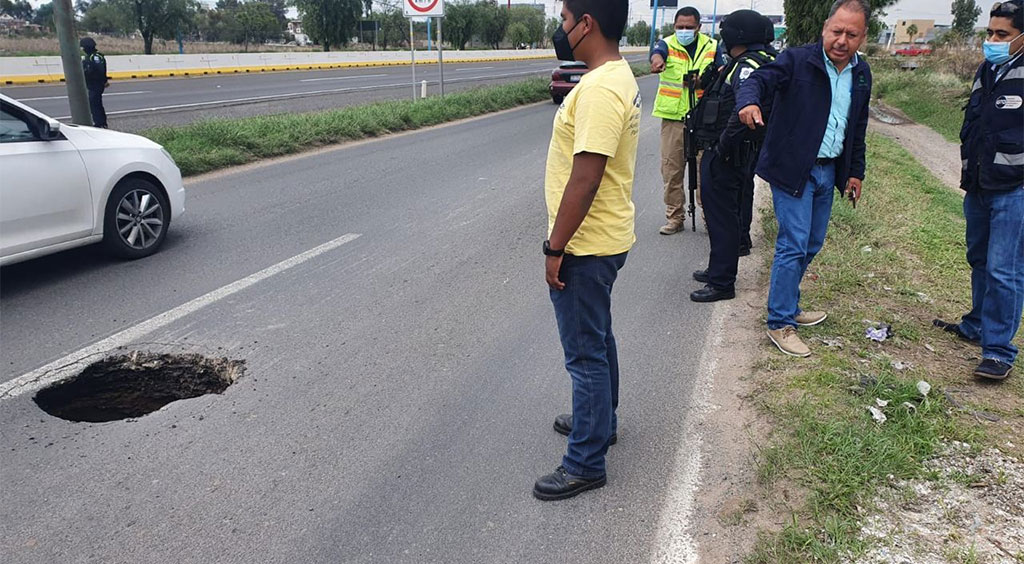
(743, 27)
(769, 31)
(88, 44)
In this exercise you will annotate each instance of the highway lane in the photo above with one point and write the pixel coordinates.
(400, 388)
(136, 104)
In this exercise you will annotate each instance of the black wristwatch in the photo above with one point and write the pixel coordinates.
(552, 252)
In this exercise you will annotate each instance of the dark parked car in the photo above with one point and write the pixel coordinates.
(564, 78)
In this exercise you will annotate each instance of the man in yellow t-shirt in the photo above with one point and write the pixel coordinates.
(588, 188)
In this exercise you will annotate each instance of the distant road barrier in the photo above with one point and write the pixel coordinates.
(41, 70)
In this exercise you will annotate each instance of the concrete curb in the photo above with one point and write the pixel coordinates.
(43, 70)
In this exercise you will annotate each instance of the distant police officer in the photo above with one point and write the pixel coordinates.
(993, 177)
(95, 66)
(727, 166)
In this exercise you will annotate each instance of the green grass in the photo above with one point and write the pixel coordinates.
(219, 143)
(214, 144)
(825, 439)
(930, 98)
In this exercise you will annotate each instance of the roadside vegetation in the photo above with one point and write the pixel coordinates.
(896, 260)
(219, 143)
(934, 93)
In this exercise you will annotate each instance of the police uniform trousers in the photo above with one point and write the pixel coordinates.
(99, 114)
(722, 194)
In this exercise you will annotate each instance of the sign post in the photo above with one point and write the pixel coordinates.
(412, 49)
(428, 9)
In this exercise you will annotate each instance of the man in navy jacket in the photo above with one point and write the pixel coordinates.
(814, 143)
(992, 153)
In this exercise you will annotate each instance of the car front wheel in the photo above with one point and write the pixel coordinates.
(557, 98)
(136, 219)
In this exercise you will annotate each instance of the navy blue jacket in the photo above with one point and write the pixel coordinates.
(799, 117)
(992, 138)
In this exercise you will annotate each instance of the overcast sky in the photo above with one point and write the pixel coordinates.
(937, 10)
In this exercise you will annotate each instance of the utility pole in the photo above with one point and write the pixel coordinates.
(70, 59)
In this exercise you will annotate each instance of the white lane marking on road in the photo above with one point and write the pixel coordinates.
(674, 542)
(270, 97)
(76, 361)
(342, 77)
(105, 94)
(473, 69)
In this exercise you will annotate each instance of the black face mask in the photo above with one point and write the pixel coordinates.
(563, 50)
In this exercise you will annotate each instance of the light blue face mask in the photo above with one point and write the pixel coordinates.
(686, 36)
(997, 52)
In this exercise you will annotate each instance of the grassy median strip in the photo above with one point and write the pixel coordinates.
(219, 143)
(897, 259)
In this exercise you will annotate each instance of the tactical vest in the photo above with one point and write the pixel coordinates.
(673, 102)
(710, 117)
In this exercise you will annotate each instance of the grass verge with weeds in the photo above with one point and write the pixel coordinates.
(898, 258)
(219, 143)
(928, 97)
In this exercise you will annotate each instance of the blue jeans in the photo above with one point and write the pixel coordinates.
(584, 315)
(995, 251)
(803, 223)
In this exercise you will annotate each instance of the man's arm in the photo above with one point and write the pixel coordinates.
(857, 158)
(584, 181)
(658, 57)
(766, 81)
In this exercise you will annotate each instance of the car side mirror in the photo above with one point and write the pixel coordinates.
(49, 129)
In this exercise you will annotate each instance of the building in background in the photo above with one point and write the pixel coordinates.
(924, 27)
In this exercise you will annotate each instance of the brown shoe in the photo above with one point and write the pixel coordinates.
(809, 318)
(671, 227)
(788, 341)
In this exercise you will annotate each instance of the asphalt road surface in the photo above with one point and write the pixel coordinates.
(134, 105)
(400, 385)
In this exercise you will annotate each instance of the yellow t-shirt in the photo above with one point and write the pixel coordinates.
(600, 115)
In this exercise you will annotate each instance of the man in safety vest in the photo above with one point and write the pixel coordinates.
(679, 59)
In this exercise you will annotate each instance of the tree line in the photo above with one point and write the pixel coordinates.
(328, 23)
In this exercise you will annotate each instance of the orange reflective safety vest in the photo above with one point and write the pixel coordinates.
(673, 102)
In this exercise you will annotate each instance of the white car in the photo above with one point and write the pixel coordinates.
(64, 186)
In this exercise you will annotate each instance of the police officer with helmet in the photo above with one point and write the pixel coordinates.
(94, 64)
(730, 151)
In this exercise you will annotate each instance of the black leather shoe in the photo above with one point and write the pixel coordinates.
(560, 484)
(993, 369)
(744, 251)
(563, 426)
(711, 294)
(955, 329)
(701, 276)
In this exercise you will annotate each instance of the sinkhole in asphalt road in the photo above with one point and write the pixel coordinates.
(134, 384)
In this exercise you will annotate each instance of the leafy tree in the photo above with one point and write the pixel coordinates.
(518, 34)
(104, 17)
(912, 31)
(81, 6)
(459, 23)
(257, 23)
(965, 13)
(20, 9)
(530, 28)
(804, 19)
(159, 18)
(44, 16)
(330, 22)
(638, 33)
(394, 28)
(492, 23)
(669, 29)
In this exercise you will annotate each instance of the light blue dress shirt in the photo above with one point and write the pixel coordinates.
(839, 114)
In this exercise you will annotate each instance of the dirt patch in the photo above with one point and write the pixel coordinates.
(930, 148)
(135, 384)
(972, 512)
(730, 503)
